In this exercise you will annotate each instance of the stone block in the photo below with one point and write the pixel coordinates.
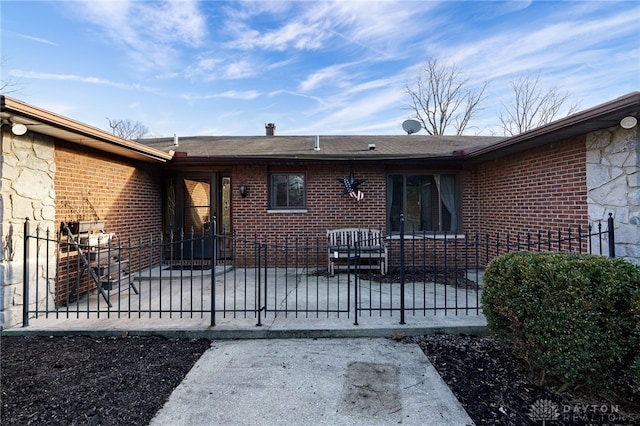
(598, 140)
(21, 206)
(44, 151)
(612, 194)
(597, 175)
(33, 184)
(11, 272)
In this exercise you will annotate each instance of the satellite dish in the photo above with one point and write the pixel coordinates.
(411, 126)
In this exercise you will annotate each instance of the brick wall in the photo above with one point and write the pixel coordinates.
(326, 207)
(543, 188)
(93, 185)
(90, 185)
(540, 189)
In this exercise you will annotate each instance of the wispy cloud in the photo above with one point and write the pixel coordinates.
(214, 68)
(334, 75)
(533, 46)
(246, 95)
(150, 32)
(37, 39)
(241, 69)
(358, 115)
(80, 79)
(379, 26)
(298, 35)
(318, 66)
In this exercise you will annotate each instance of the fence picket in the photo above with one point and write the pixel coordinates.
(255, 278)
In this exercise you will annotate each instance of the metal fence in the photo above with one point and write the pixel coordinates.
(257, 277)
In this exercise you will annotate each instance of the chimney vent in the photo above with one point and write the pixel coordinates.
(316, 146)
(175, 140)
(270, 128)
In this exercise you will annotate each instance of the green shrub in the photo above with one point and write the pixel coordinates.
(575, 318)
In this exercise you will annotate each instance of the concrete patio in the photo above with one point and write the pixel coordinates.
(178, 303)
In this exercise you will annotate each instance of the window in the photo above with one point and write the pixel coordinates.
(286, 191)
(429, 202)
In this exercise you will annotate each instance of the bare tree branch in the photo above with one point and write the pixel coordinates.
(7, 86)
(128, 129)
(531, 107)
(441, 98)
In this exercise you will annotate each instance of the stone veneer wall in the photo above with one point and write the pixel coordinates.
(613, 185)
(26, 191)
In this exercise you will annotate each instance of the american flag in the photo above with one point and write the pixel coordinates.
(357, 195)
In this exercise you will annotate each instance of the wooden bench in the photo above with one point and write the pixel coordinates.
(347, 245)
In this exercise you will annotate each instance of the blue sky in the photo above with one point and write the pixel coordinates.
(310, 67)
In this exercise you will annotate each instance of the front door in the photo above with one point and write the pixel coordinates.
(197, 194)
(190, 202)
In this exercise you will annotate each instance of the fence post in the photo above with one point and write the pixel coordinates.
(612, 239)
(402, 262)
(213, 234)
(25, 274)
(259, 283)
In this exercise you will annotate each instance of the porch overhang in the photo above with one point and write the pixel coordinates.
(48, 123)
(191, 163)
(598, 118)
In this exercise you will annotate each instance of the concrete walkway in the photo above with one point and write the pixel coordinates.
(312, 382)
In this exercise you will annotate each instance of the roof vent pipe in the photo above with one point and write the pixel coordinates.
(175, 139)
(317, 145)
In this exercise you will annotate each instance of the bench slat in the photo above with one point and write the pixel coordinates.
(368, 241)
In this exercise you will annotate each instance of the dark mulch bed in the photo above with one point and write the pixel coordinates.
(458, 278)
(453, 277)
(114, 381)
(497, 389)
(90, 381)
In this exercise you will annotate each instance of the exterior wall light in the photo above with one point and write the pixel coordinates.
(17, 129)
(628, 122)
(244, 190)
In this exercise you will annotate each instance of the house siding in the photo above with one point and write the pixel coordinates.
(540, 189)
(326, 207)
(91, 185)
(26, 191)
(613, 184)
(95, 186)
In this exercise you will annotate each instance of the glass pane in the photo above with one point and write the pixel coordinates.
(428, 204)
(416, 196)
(296, 191)
(196, 204)
(395, 201)
(414, 204)
(448, 207)
(279, 190)
(226, 205)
